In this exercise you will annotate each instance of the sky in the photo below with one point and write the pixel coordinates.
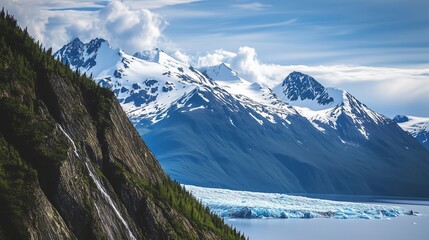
(378, 50)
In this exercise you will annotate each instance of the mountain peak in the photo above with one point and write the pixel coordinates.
(299, 87)
(161, 56)
(400, 119)
(80, 55)
(73, 50)
(223, 65)
(95, 44)
(220, 72)
(76, 41)
(100, 40)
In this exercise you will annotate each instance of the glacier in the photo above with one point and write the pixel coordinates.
(244, 204)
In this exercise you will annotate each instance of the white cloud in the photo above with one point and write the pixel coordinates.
(248, 64)
(181, 56)
(255, 6)
(54, 22)
(22, 11)
(152, 4)
(215, 58)
(133, 30)
(262, 26)
(245, 62)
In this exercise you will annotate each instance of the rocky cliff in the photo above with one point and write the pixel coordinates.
(72, 166)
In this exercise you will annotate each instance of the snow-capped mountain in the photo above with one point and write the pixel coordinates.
(329, 108)
(416, 126)
(146, 87)
(305, 91)
(220, 73)
(210, 127)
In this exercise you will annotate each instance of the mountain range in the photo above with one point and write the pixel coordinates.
(210, 127)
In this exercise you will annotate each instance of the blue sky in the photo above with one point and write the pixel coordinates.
(365, 32)
(378, 50)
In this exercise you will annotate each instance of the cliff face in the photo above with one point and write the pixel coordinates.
(72, 166)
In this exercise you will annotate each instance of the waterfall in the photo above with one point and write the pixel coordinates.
(100, 187)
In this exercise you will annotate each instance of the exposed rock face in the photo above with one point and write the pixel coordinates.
(301, 87)
(88, 201)
(72, 166)
(44, 220)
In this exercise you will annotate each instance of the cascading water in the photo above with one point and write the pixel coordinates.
(99, 186)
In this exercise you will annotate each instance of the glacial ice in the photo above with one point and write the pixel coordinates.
(243, 204)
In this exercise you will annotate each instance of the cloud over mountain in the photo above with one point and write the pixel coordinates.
(52, 23)
(139, 25)
(402, 90)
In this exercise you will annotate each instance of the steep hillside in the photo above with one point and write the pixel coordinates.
(72, 166)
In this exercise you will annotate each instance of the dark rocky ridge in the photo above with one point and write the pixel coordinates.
(301, 87)
(72, 166)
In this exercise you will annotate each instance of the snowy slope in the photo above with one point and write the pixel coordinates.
(151, 83)
(210, 127)
(252, 95)
(220, 73)
(244, 204)
(328, 107)
(416, 126)
(145, 89)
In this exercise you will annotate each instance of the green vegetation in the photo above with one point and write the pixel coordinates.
(31, 151)
(17, 180)
(172, 193)
(25, 142)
